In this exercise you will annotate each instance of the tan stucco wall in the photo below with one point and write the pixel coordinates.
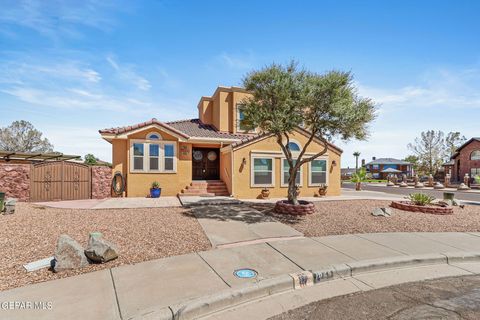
(226, 169)
(138, 183)
(242, 173)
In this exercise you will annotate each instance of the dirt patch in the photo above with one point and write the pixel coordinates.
(354, 216)
(140, 234)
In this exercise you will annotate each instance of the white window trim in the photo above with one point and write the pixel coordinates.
(310, 184)
(146, 156)
(252, 173)
(297, 143)
(238, 106)
(472, 156)
(155, 133)
(285, 183)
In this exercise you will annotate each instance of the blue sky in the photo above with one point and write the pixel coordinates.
(73, 67)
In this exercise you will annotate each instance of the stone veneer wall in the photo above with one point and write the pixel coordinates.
(101, 182)
(15, 180)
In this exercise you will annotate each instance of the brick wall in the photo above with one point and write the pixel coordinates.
(101, 182)
(15, 180)
(465, 163)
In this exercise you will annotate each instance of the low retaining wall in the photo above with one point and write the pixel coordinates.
(406, 206)
(15, 180)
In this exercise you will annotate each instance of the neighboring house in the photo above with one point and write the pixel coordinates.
(347, 173)
(465, 160)
(181, 155)
(381, 168)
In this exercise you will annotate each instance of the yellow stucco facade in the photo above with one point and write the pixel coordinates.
(234, 163)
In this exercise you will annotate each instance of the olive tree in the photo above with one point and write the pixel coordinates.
(284, 98)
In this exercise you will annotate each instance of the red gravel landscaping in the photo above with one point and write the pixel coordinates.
(354, 216)
(141, 234)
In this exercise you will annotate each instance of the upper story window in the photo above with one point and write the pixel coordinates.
(242, 124)
(154, 136)
(475, 155)
(294, 146)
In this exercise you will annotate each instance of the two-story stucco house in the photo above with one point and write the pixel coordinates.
(215, 155)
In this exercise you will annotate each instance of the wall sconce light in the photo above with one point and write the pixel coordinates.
(334, 163)
(244, 161)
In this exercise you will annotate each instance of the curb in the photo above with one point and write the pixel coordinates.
(225, 299)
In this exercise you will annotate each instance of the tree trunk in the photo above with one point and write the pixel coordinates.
(292, 188)
(358, 186)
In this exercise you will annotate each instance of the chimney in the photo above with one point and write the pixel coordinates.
(374, 158)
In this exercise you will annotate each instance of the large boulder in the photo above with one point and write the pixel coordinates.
(69, 254)
(100, 250)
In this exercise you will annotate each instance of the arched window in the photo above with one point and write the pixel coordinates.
(154, 136)
(294, 146)
(475, 155)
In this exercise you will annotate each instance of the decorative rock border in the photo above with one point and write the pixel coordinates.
(433, 209)
(304, 208)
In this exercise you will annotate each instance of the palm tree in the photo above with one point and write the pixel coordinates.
(358, 178)
(356, 154)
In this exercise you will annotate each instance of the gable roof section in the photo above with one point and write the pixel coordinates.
(261, 136)
(457, 152)
(153, 121)
(388, 161)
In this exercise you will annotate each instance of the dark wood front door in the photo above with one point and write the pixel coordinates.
(205, 164)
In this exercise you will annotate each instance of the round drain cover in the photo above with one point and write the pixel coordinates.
(245, 273)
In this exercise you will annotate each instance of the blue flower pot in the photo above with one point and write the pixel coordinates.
(155, 193)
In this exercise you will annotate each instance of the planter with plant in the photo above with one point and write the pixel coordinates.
(421, 202)
(265, 193)
(322, 190)
(155, 190)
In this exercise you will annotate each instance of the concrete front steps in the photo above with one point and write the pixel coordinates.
(206, 188)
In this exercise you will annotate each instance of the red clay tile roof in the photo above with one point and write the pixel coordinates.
(186, 128)
(196, 128)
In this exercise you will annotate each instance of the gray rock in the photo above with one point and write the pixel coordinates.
(445, 203)
(390, 184)
(382, 212)
(69, 254)
(419, 185)
(10, 206)
(100, 250)
(438, 185)
(403, 184)
(463, 186)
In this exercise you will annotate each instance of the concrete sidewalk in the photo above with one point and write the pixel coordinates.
(159, 287)
(114, 203)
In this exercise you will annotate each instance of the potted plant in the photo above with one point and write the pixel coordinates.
(265, 193)
(155, 190)
(322, 190)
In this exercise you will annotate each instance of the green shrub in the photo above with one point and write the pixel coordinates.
(420, 199)
(155, 185)
(477, 179)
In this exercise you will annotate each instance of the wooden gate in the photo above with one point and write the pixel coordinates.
(60, 180)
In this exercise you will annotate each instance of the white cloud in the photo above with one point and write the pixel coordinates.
(237, 61)
(127, 73)
(57, 18)
(449, 88)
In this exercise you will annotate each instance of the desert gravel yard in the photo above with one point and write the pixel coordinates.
(354, 216)
(141, 234)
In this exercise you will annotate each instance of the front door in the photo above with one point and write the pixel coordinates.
(205, 164)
